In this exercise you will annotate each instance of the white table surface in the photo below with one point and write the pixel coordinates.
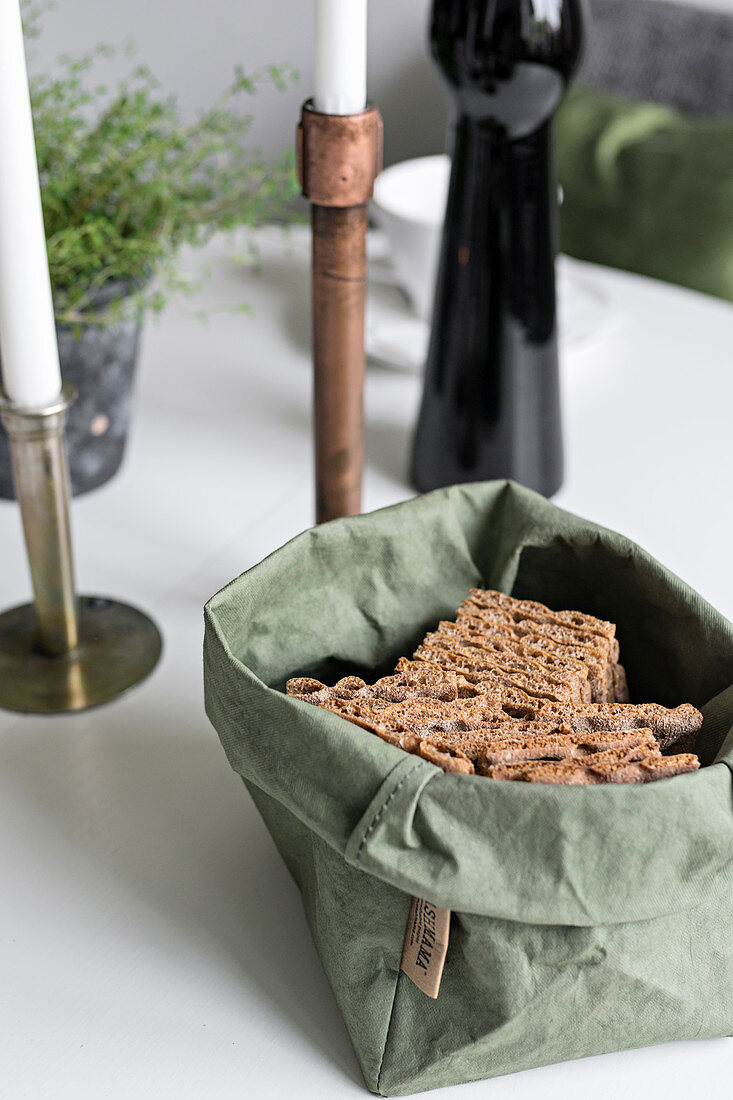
(152, 943)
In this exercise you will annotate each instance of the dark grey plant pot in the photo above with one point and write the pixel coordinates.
(100, 363)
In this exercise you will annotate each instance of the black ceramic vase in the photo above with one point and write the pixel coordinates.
(491, 403)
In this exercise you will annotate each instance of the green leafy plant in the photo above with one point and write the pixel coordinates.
(126, 182)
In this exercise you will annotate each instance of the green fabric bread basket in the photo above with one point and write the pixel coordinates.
(584, 919)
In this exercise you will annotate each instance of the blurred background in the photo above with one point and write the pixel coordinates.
(643, 151)
(646, 190)
(192, 48)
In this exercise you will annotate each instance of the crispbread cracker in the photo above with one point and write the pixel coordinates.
(670, 727)
(502, 652)
(513, 690)
(575, 620)
(570, 628)
(530, 678)
(592, 652)
(589, 772)
(565, 746)
(412, 680)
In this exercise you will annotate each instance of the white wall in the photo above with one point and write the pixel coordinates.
(193, 45)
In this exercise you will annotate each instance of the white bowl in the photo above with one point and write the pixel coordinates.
(409, 205)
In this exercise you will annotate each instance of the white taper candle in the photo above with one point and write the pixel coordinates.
(339, 70)
(30, 358)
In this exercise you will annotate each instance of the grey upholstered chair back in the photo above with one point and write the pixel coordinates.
(669, 53)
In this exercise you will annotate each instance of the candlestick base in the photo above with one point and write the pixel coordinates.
(118, 647)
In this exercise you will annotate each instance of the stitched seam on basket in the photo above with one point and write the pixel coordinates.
(375, 820)
(389, 1028)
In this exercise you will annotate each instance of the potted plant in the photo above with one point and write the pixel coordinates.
(126, 182)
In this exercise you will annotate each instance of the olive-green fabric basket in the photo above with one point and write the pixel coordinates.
(584, 920)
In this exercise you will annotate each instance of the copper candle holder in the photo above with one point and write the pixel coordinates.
(339, 157)
(63, 652)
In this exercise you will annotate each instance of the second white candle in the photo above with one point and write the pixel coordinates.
(339, 70)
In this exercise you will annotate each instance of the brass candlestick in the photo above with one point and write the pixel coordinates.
(339, 157)
(62, 652)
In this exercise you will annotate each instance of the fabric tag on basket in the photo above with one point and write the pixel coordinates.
(426, 945)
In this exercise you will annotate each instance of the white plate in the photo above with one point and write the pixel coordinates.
(397, 338)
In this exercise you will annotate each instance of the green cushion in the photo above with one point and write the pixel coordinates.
(585, 919)
(647, 189)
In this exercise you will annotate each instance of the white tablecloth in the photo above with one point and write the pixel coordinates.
(152, 942)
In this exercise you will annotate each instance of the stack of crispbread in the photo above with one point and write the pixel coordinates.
(513, 690)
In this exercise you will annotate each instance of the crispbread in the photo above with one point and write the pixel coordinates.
(417, 715)
(494, 617)
(373, 713)
(593, 761)
(447, 757)
(587, 772)
(672, 728)
(481, 669)
(594, 656)
(526, 617)
(576, 620)
(514, 690)
(411, 680)
(504, 649)
(534, 618)
(564, 746)
(599, 652)
(470, 736)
